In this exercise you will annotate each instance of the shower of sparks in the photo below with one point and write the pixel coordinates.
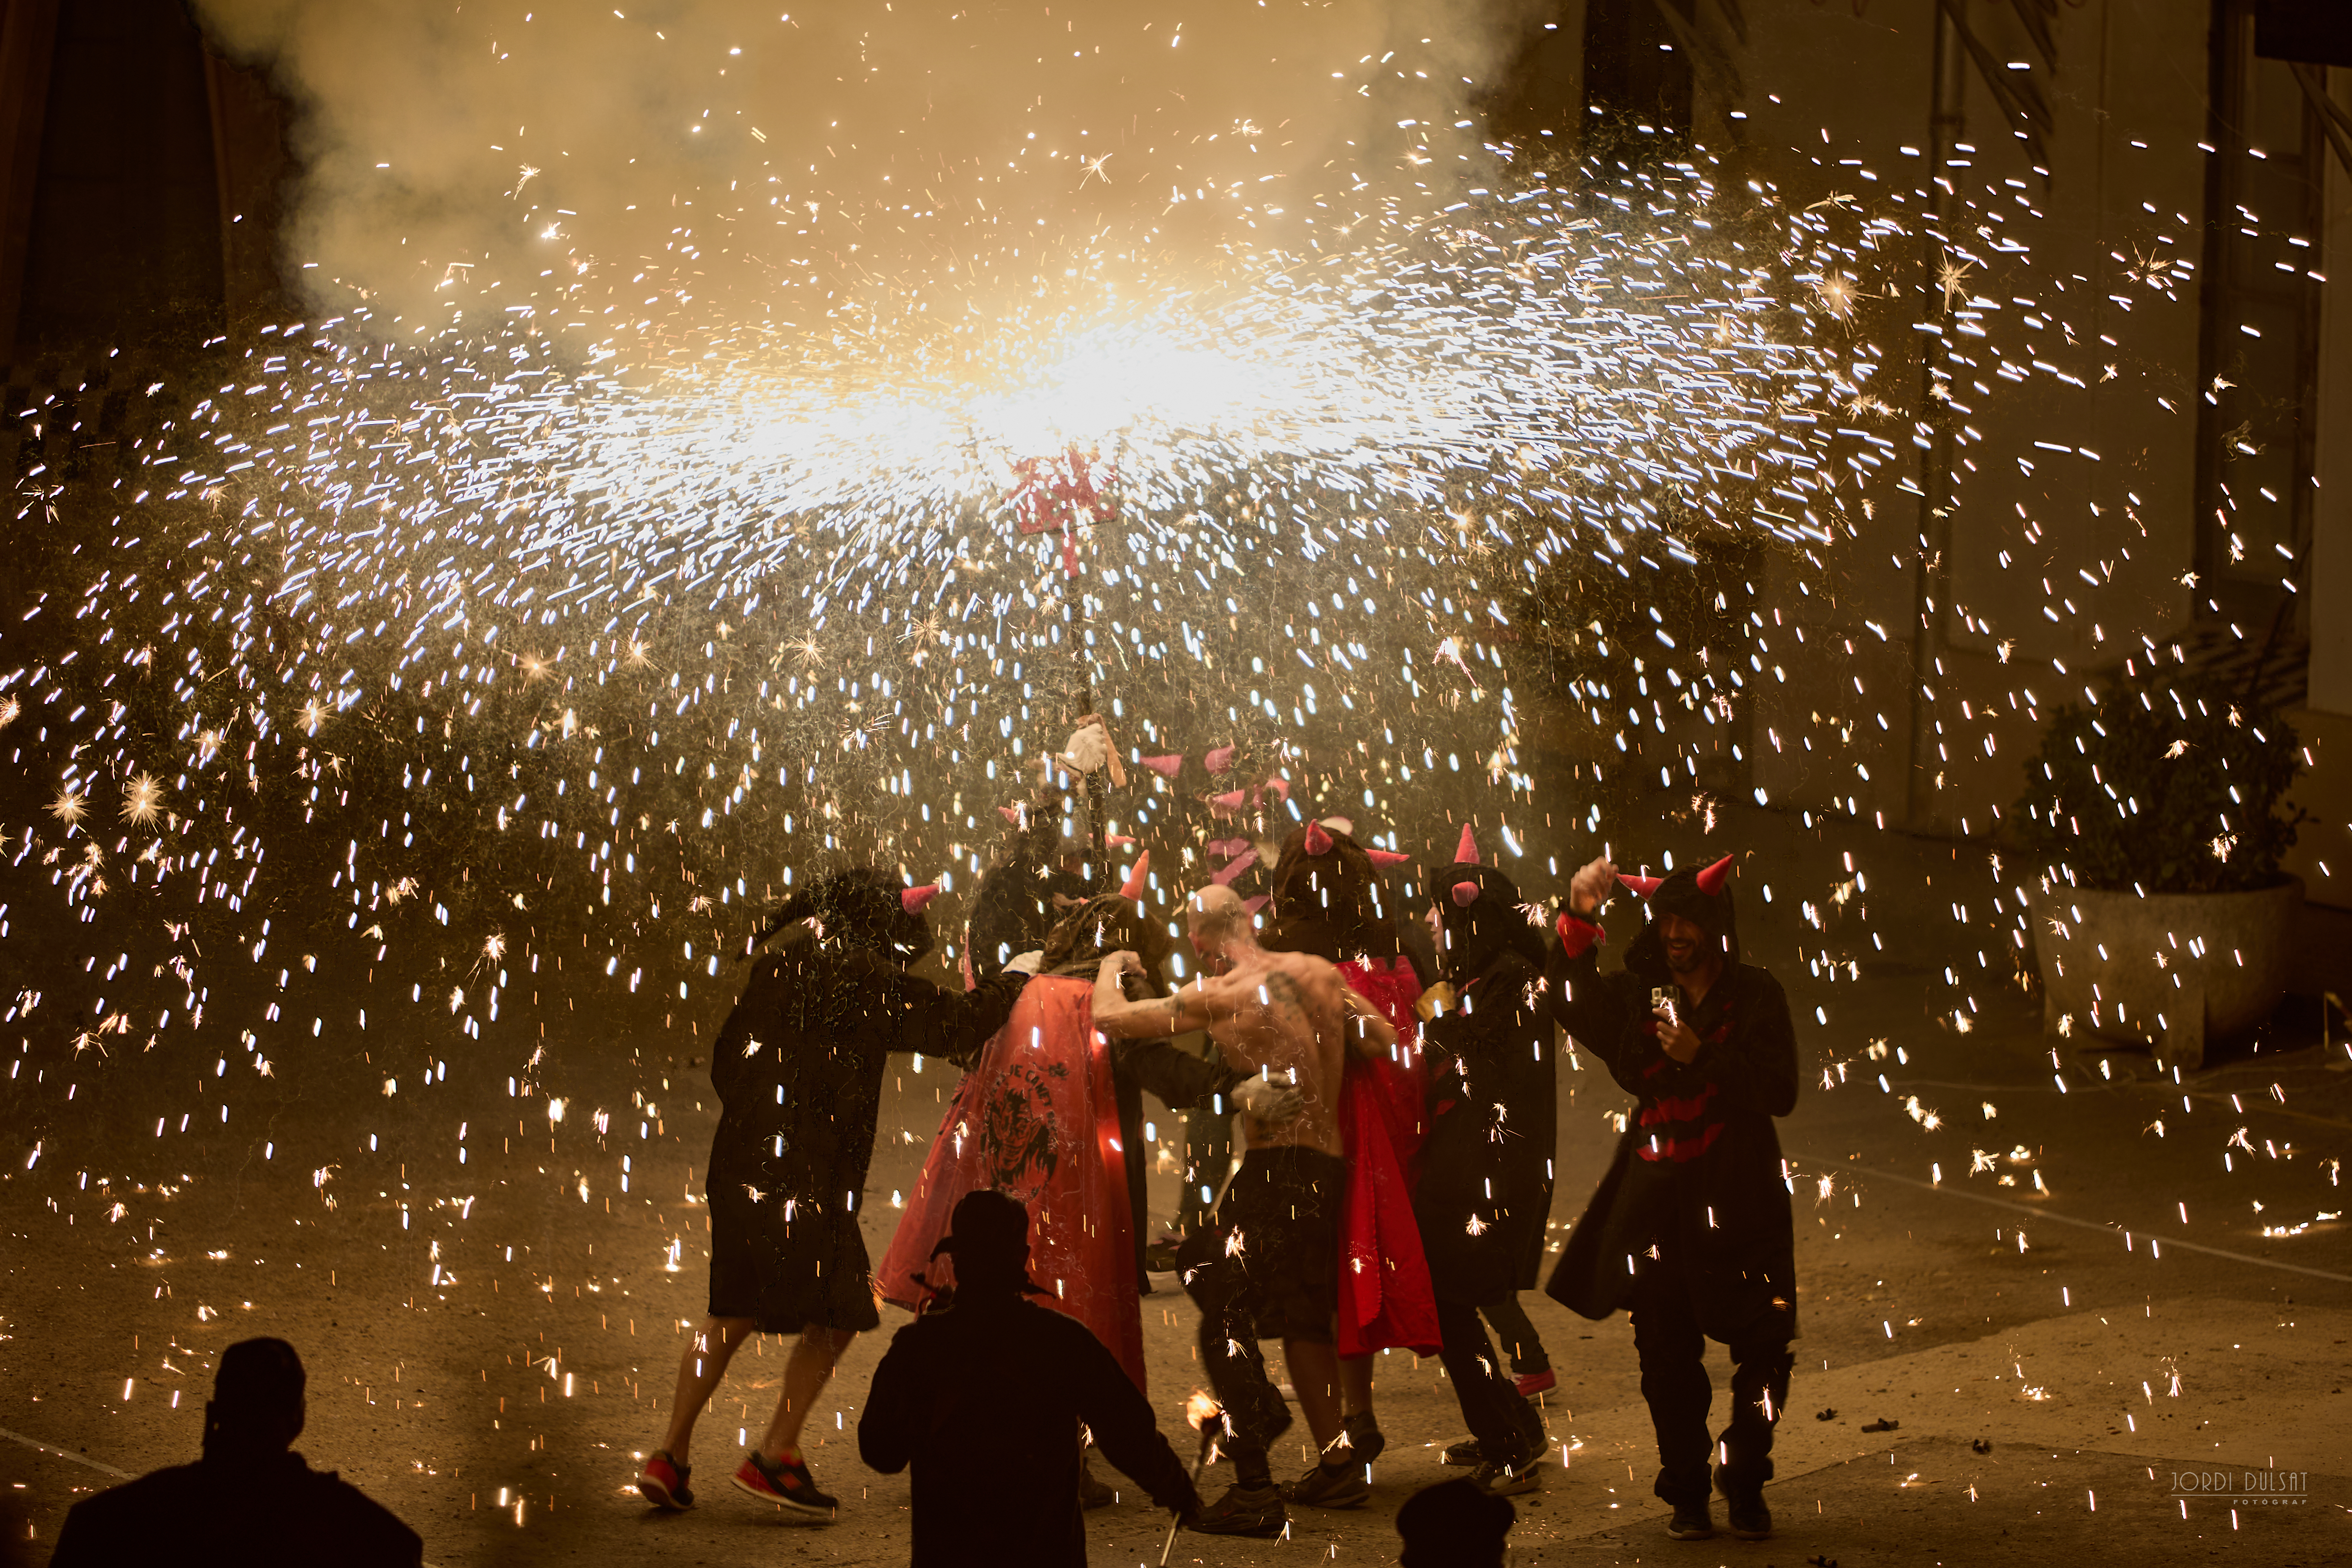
(491, 657)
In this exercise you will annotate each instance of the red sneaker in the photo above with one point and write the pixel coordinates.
(787, 1484)
(662, 1482)
(1531, 1384)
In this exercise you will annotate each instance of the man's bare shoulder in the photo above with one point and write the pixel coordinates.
(1311, 973)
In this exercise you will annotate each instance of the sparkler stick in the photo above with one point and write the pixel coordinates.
(1208, 1415)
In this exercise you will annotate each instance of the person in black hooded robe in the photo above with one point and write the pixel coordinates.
(798, 1066)
(1485, 1174)
(1691, 1227)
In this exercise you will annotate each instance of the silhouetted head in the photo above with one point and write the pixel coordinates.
(988, 1235)
(1327, 897)
(861, 908)
(1454, 1524)
(1479, 915)
(256, 1402)
(1106, 923)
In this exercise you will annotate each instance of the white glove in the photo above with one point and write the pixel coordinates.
(1088, 748)
(1269, 1101)
(1026, 962)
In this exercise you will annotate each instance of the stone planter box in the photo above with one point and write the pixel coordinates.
(2166, 970)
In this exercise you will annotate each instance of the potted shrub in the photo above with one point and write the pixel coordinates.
(2153, 827)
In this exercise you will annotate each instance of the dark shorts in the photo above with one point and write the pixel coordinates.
(1277, 1241)
(786, 1274)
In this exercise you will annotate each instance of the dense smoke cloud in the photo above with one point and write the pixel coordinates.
(770, 162)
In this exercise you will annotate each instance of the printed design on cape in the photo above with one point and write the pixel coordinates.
(1020, 1135)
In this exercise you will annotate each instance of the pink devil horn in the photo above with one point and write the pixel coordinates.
(1711, 878)
(1464, 894)
(1643, 886)
(1218, 759)
(1387, 857)
(1010, 814)
(1255, 904)
(1279, 786)
(1134, 885)
(1166, 767)
(1230, 801)
(1317, 841)
(912, 900)
(1239, 864)
(1466, 852)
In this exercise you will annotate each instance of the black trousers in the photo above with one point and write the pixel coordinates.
(1266, 1270)
(1674, 1382)
(1507, 1428)
(1517, 1334)
(1208, 1158)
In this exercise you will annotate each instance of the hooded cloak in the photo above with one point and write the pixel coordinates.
(1698, 1170)
(1048, 1115)
(798, 1067)
(1486, 1170)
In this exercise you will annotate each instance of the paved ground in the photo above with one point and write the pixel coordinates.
(2063, 1280)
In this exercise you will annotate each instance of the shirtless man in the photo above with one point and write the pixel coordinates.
(1264, 1270)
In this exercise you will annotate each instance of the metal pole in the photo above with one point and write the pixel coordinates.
(1073, 617)
(1931, 590)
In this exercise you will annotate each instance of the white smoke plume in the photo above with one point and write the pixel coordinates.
(652, 170)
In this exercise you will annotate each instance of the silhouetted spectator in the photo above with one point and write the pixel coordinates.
(250, 1502)
(984, 1395)
(1454, 1524)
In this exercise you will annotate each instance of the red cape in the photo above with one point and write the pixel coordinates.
(1036, 1118)
(1385, 1297)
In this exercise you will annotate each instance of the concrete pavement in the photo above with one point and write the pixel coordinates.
(2104, 1278)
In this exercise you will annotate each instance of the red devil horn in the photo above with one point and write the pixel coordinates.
(1166, 767)
(912, 900)
(1279, 786)
(1643, 886)
(1258, 904)
(1230, 801)
(1711, 879)
(1464, 894)
(1387, 857)
(1134, 885)
(1466, 852)
(1218, 759)
(1317, 841)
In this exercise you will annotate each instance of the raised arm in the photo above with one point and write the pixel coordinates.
(1154, 1018)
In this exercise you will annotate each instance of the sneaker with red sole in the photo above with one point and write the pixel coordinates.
(662, 1482)
(786, 1483)
(1530, 1384)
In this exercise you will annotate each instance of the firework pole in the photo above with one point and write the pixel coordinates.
(1056, 495)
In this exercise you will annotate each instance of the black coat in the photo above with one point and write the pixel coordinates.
(1716, 1194)
(276, 1512)
(1493, 1130)
(985, 1399)
(798, 1066)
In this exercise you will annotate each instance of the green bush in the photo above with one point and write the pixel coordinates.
(2174, 790)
